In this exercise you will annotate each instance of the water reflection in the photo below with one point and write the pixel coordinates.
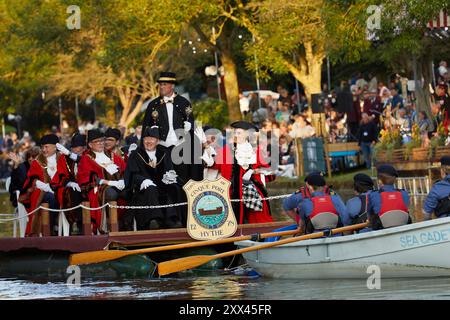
(222, 287)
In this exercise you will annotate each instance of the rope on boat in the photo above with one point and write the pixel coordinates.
(124, 207)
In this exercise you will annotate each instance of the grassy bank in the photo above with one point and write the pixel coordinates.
(338, 181)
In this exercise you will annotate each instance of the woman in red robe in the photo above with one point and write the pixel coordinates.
(100, 177)
(242, 171)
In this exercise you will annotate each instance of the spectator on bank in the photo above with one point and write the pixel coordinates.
(244, 104)
(271, 104)
(283, 114)
(259, 116)
(284, 98)
(302, 128)
(367, 137)
(286, 161)
(403, 121)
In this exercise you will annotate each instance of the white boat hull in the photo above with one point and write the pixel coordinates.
(415, 250)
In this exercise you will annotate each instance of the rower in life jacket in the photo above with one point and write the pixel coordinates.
(320, 209)
(388, 206)
(438, 200)
(357, 207)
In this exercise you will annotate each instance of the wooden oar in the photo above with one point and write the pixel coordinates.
(181, 264)
(107, 255)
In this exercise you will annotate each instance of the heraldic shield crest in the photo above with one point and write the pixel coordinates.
(210, 214)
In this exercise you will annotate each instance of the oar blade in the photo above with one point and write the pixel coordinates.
(96, 256)
(181, 264)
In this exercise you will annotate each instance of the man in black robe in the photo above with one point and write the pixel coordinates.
(152, 181)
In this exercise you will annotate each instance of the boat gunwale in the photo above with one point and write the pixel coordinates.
(355, 237)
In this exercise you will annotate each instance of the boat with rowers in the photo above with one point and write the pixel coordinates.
(409, 251)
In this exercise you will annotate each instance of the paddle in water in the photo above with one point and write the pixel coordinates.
(108, 255)
(181, 264)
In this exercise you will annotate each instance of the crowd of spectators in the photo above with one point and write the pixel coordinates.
(356, 111)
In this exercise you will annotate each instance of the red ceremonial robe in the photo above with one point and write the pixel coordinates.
(224, 163)
(32, 196)
(88, 172)
(64, 174)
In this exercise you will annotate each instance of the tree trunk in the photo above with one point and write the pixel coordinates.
(231, 85)
(423, 97)
(311, 81)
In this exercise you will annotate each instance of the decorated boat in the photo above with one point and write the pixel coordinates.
(414, 250)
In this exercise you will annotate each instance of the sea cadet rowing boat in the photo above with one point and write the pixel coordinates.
(416, 250)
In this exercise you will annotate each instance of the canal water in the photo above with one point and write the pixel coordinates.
(238, 283)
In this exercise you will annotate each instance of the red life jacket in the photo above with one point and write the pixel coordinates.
(324, 215)
(393, 210)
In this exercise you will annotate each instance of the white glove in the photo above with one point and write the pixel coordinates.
(200, 134)
(209, 160)
(43, 186)
(119, 184)
(131, 148)
(147, 183)
(74, 186)
(62, 149)
(187, 126)
(112, 168)
(170, 177)
(73, 156)
(247, 175)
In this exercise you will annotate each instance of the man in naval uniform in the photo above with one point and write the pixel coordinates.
(173, 115)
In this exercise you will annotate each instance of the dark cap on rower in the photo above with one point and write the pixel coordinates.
(49, 139)
(244, 125)
(315, 179)
(363, 179)
(387, 169)
(445, 161)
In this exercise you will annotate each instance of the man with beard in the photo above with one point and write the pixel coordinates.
(68, 192)
(36, 189)
(100, 177)
(150, 177)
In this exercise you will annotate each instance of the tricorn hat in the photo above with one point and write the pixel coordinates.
(244, 125)
(151, 132)
(78, 140)
(94, 134)
(168, 77)
(49, 139)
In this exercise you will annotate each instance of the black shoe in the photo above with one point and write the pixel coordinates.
(154, 224)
